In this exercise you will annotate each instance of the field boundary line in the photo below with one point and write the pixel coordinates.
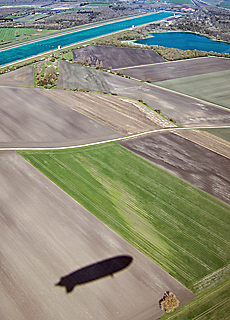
(159, 63)
(211, 309)
(182, 94)
(136, 135)
(194, 301)
(179, 248)
(202, 144)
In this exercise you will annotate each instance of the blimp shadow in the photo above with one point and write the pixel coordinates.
(94, 272)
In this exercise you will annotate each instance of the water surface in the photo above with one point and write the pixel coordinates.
(185, 41)
(41, 46)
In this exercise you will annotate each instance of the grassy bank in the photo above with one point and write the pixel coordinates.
(181, 228)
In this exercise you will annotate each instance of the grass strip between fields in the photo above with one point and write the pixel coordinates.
(181, 228)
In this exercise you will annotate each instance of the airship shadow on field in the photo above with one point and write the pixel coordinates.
(94, 271)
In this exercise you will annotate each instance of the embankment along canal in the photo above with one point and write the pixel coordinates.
(41, 46)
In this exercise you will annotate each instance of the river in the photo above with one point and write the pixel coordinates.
(42, 46)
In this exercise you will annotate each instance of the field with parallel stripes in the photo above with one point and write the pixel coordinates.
(212, 87)
(181, 228)
(212, 304)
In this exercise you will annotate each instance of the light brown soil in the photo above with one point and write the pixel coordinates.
(46, 235)
(188, 155)
(185, 110)
(123, 115)
(22, 77)
(178, 69)
(117, 57)
(28, 118)
(206, 140)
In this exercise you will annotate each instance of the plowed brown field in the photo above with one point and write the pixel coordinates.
(75, 76)
(178, 69)
(22, 77)
(117, 57)
(28, 118)
(195, 156)
(187, 111)
(123, 115)
(46, 235)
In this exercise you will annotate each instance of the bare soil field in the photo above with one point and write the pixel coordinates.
(22, 77)
(185, 110)
(179, 69)
(213, 87)
(75, 76)
(188, 160)
(46, 236)
(223, 133)
(29, 118)
(117, 57)
(207, 140)
(123, 115)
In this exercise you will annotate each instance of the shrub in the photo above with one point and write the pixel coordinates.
(120, 72)
(172, 120)
(169, 302)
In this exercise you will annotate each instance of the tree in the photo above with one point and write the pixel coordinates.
(70, 56)
(97, 64)
(120, 72)
(169, 302)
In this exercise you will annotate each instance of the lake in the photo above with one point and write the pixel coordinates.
(185, 41)
(41, 46)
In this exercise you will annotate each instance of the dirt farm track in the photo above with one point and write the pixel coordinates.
(46, 235)
(55, 254)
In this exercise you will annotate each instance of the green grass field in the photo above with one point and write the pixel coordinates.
(23, 34)
(31, 18)
(213, 304)
(213, 87)
(181, 228)
(181, 1)
(223, 133)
